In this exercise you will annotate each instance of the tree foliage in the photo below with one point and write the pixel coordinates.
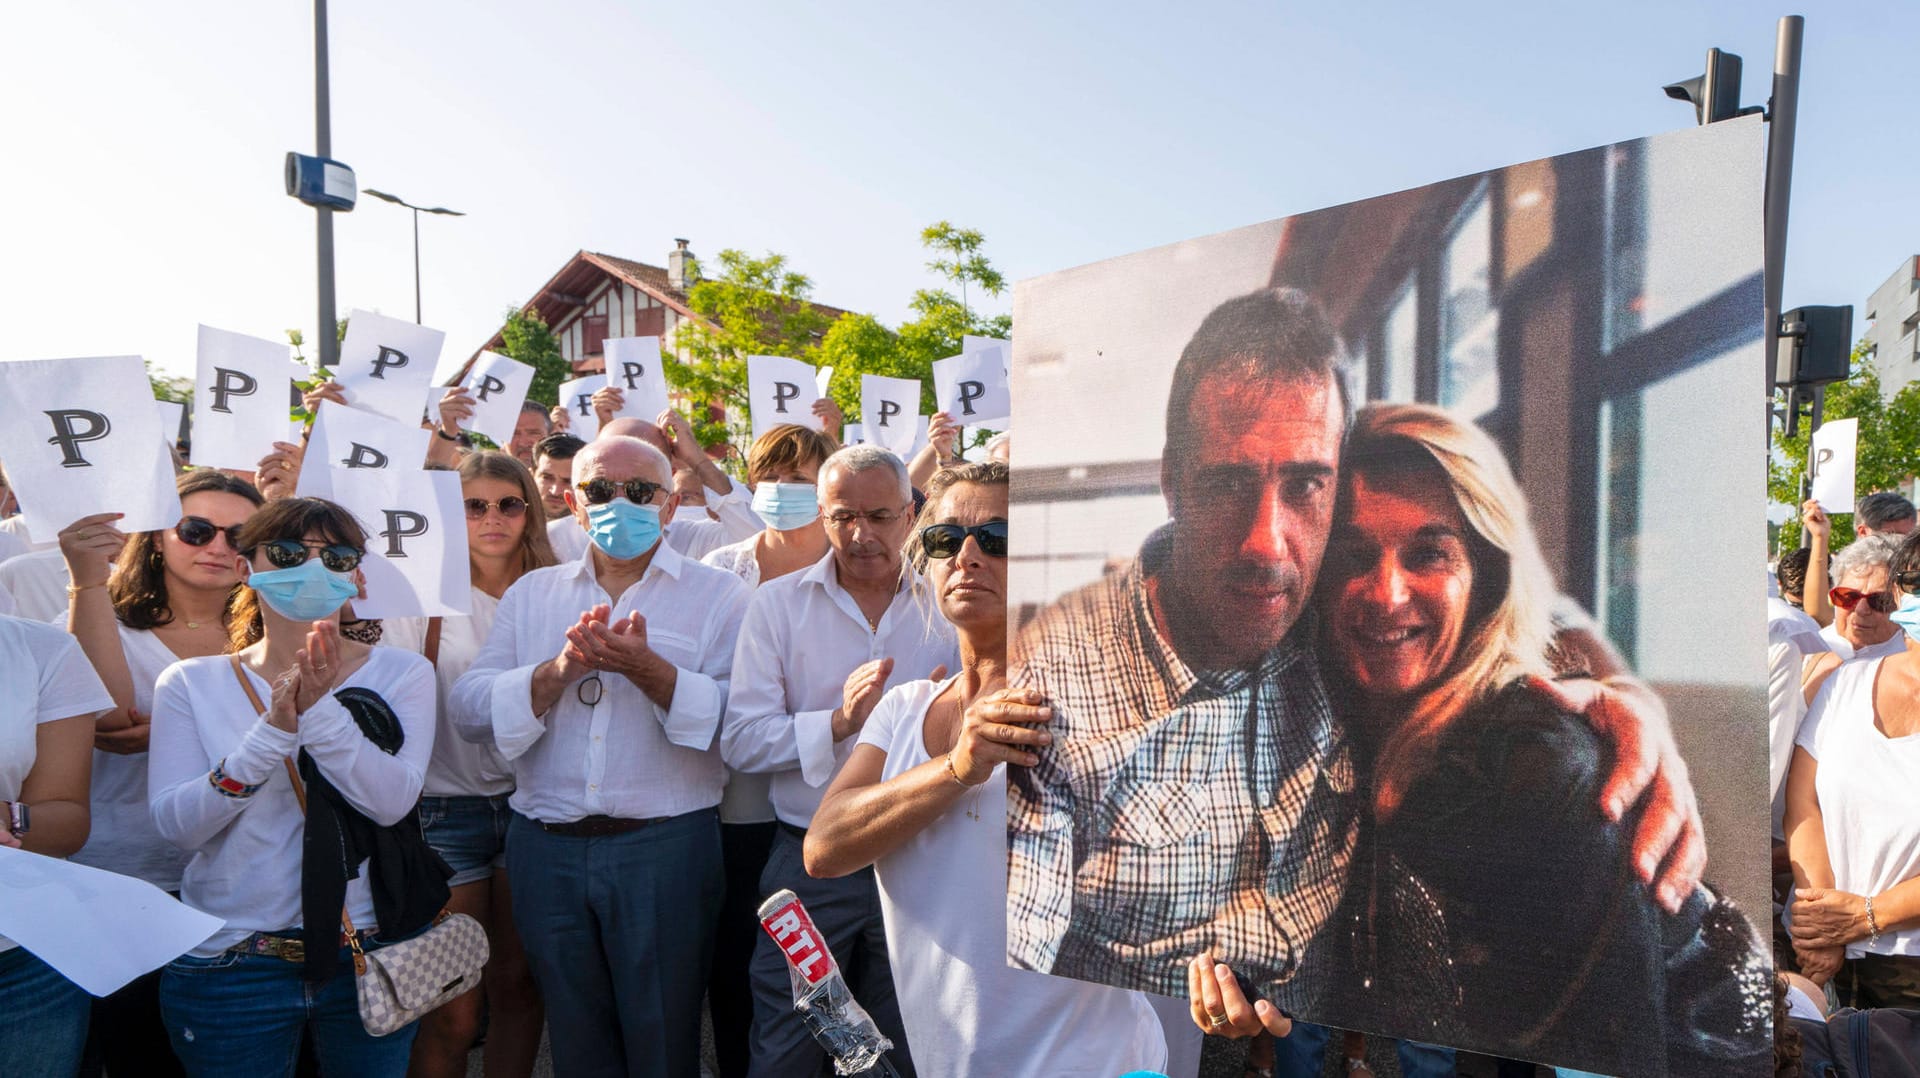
(755, 306)
(525, 337)
(169, 387)
(1889, 445)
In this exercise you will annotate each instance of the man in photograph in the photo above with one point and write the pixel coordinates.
(1199, 794)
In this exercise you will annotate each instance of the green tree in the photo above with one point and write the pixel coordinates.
(755, 306)
(1889, 445)
(961, 260)
(526, 338)
(169, 387)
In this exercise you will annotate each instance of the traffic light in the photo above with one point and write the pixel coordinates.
(1716, 94)
(1820, 352)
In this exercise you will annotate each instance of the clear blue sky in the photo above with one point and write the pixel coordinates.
(144, 141)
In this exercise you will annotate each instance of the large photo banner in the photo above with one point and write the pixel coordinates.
(1341, 545)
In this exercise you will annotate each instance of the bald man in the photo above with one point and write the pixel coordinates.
(603, 683)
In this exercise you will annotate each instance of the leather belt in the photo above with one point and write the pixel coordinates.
(600, 826)
(287, 948)
(797, 832)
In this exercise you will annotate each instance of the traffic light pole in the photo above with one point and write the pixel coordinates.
(1781, 118)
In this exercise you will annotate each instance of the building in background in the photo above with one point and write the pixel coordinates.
(1893, 316)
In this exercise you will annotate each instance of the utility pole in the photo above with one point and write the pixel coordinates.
(323, 148)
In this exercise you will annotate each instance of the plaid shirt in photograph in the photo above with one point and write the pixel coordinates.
(1176, 810)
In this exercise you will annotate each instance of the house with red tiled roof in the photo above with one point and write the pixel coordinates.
(596, 296)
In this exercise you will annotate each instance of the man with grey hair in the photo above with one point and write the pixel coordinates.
(1883, 513)
(607, 714)
(695, 535)
(816, 652)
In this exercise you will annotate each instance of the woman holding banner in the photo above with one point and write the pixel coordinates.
(464, 811)
(298, 813)
(138, 605)
(1491, 907)
(922, 799)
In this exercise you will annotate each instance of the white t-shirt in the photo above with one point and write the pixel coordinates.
(944, 894)
(48, 678)
(459, 768)
(1869, 801)
(38, 584)
(123, 838)
(246, 851)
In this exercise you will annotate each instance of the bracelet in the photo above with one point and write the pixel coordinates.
(955, 775)
(230, 787)
(444, 436)
(1873, 923)
(72, 590)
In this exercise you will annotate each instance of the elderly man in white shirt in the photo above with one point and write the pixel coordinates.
(817, 651)
(693, 536)
(603, 684)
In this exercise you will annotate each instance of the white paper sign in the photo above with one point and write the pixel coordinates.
(972, 388)
(780, 390)
(852, 434)
(633, 368)
(239, 410)
(386, 365)
(173, 420)
(348, 438)
(99, 929)
(416, 563)
(499, 386)
(890, 412)
(1835, 445)
(577, 398)
(82, 436)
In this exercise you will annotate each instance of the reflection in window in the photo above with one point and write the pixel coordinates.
(1469, 321)
(1399, 342)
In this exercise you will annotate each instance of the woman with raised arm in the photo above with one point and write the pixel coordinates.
(923, 799)
(464, 812)
(138, 605)
(290, 770)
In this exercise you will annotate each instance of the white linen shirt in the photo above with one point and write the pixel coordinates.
(624, 756)
(459, 768)
(38, 583)
(693, 538)
(247, 850)
(803, 635)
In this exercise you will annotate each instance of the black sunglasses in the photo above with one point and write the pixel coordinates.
(1909, 581)
(510, 507)
(1883, 602)
(289, 553)
(199, 531)
(601, 491)
(945, 540)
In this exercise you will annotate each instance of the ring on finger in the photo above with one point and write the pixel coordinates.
(1216, 1020)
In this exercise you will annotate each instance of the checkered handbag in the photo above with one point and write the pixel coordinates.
(402, 981)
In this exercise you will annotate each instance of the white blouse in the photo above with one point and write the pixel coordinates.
(123, 839)
(247, 851)
(459, 768)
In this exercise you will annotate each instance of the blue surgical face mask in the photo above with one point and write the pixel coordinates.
(1907, 616)
(786, 506)
(306, 592)
(622, 529)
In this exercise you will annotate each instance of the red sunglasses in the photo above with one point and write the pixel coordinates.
(1848, 598)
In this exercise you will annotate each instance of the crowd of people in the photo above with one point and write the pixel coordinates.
(678, 692)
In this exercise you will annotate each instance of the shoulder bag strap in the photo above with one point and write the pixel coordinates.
(300, 794)
(432, 650)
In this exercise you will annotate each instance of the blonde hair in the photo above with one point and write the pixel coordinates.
(536, 552)
(1509, 625)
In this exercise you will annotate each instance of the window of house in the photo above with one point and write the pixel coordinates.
(1399, 347)
(593, 334)
(1469, 319)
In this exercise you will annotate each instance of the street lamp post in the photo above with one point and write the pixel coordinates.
(417, 211)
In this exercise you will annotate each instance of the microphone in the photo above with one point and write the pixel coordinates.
(820, 994)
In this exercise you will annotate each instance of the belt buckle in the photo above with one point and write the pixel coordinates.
(292, 950)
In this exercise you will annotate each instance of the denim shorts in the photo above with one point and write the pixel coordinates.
(470, 832)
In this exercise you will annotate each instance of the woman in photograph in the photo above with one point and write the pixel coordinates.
(922, 799)
(464, 811)
(138, 605)
(280, 861)
(1492, 906)
(1853, 817)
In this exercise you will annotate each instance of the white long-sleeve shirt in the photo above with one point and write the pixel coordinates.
(459, 768)
(803, 635)
(247, 850)
(625, 755)
(693, 535)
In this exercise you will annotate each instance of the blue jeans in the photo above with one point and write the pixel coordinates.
(43, 1022)
(240, 1016)
(470, 833)
(618, 930)
(1302, 1054)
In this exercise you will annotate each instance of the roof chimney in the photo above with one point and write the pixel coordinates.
(681, 271)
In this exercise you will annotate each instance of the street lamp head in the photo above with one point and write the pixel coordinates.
(382, 195)
(442, 209)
